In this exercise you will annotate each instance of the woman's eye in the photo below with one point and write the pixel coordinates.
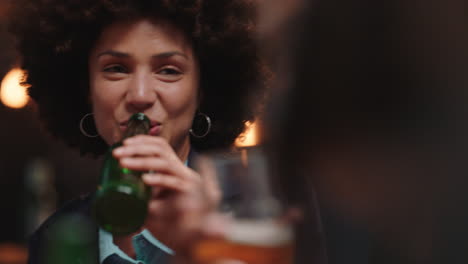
(169, 71)
(115, 68)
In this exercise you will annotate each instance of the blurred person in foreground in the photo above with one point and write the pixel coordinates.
(370, 118)
(191, 66)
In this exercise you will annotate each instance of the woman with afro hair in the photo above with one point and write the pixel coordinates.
(191, 66)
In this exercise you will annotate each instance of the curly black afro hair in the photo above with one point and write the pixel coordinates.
(54, 38)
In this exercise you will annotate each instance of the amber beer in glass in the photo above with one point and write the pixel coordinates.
(256, 230)
(253, 243)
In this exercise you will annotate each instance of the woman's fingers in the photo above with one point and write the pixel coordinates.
(146, 164)
(145, 139)
(137, 150)
(166, 181)
(159, 165)
(149, 153)
(142, 145)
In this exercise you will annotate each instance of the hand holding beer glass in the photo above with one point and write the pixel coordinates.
(255, 229)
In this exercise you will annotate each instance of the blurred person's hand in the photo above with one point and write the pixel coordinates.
(212, 226)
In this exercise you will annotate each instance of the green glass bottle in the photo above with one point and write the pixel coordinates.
(120, 204)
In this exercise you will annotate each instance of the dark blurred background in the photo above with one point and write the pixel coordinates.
(37, 173)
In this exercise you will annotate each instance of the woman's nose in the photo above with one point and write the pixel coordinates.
(141, 94)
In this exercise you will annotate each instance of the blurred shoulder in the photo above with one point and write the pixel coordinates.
(72, 221)
(79, 206)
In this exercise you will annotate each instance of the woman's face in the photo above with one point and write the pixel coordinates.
(144, 66)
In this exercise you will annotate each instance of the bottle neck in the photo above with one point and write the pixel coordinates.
(138, 124)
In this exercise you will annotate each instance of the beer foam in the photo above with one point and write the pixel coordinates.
(266, 233)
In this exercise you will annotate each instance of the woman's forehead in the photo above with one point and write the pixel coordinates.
(152, 35)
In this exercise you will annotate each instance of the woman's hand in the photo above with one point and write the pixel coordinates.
(181, 198)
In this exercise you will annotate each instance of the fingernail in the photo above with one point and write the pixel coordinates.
(125, 160)
(117, 151)
(150, 177)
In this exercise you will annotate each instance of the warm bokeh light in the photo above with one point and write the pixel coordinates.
(11, 253)
(12, 94)
(250, 137)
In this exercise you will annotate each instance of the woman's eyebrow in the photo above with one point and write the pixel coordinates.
(114, 54)
(169, 54)
(162, 55)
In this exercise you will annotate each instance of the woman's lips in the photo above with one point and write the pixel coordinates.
(155, 128)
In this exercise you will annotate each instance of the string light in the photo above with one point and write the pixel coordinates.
(250, 137)
(12, 93)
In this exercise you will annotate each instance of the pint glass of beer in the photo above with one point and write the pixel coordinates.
(257, 232)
